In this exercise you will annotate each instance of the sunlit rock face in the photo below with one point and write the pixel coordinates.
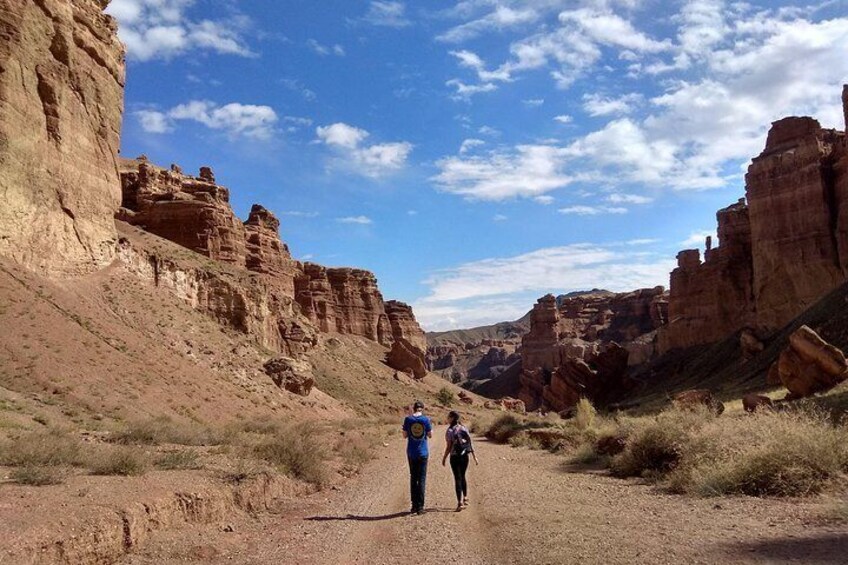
(61, 102)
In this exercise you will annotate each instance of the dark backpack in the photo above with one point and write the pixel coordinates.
(461, 442)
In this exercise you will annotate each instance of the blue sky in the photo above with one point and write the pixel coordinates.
(477, 154)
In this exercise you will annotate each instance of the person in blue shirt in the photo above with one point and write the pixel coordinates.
(417, 429)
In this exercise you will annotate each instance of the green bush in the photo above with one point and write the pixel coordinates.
(446, 397)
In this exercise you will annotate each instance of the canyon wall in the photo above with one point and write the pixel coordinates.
(288, 297)
(61, 103)
(582, 345)
(782, 248)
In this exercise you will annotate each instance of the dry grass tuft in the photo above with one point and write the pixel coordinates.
(32, 475)
(165, 430)
(178, 460)
(124, 461)
(297, 450)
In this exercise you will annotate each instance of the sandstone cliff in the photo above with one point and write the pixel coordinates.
(61, 102)
(781, 249)
(284, 299)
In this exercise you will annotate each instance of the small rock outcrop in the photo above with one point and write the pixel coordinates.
(754, 402)
(407, 358)
(809, 364)
(292, 375)
(61, 103)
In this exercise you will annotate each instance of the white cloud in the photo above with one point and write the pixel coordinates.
(563, 119)
(497, 289)
(370, 160)
(298, 214)
(235, 119)
(160, 29)
(500, 18)
(387, 14)
(359, 220)
(528, 171)
(489, 131)
(619, 198)
(342, 135)
(470, 144)
(597, 105)
(412, 212)
(698, 238)
(642, 241)
(325, 50)
(544, 200)
(592, 210)
(533, 102)
(466, 91)
(153, 122)
(499, 218)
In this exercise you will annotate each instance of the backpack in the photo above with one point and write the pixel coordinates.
(461, 441)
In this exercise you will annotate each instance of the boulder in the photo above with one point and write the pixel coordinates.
(691, 399)
(512, 405)
(754, 402)
(809, 364)
(290, 374)
(465, 398)
(750, 344)
(407, 358)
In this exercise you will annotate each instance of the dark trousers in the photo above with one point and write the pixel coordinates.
(459, 465)
(417, 481)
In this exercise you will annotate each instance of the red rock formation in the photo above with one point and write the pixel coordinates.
(191, 211)
(795, 215)
(407, 358)
(710, 300)
(809, 364)
(778, 254)
(265, 252)
(572, 350)
(61, 103)
(290, 374)
(404, 325)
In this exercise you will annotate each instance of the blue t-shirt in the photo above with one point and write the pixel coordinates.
(417, 428)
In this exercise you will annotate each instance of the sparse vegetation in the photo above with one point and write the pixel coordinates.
(37, 476)
(446, 397)
(178, 460)
(126, 461)
(298, 451)
(164, 430)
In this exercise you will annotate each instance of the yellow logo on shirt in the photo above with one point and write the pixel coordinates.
(416, 430)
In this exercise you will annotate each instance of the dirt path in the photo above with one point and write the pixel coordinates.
(526, 508)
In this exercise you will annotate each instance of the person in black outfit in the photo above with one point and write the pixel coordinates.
(458, 447)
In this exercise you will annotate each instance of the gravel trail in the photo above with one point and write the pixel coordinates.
(526, 507)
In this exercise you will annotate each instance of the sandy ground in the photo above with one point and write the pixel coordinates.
(526, 507)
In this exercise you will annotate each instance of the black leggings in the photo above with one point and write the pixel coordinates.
(459, 464)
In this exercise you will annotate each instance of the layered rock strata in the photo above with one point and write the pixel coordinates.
(61, 103)
(195, 212)
(781, 249)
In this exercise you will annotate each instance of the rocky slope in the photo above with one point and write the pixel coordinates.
(61, 103)
(781, 248)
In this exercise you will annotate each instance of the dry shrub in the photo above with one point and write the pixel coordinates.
(124, 461)
(504, 428)
(53, 448)
(176, 460)
(162, 429)
(765, 454)
(297, 450)
(658, 443)
(38, 476)
(584, 414)
(355, 451)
